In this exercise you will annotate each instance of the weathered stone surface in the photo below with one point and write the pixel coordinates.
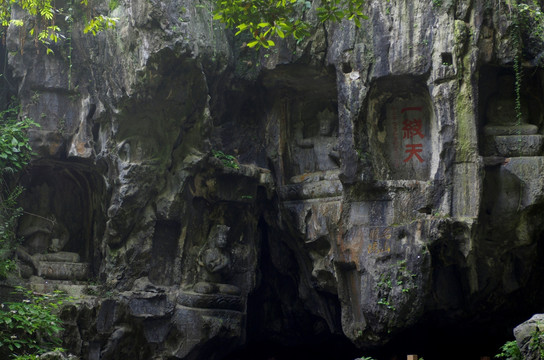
(372, 181)
(108, 315)
(523, 129)
(524, 145)
(64, 270)
(57, 355)
(196, 327)
(211, 301)
(150, 305)
(62, 256)
(530, 337)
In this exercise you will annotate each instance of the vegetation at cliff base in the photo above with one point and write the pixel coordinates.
(30, 327)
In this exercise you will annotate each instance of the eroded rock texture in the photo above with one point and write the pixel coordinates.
(382, 188)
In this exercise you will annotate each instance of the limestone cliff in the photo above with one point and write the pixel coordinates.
(379, 190)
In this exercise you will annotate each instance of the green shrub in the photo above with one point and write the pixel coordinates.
(510, 351)
(537, 341)
(15, 153)
(227, 160)
(30, 327)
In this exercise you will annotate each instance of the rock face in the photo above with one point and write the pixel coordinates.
(378, 182)
(529, 337)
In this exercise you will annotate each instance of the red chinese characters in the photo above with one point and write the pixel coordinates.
(414, 150)
(412, 128)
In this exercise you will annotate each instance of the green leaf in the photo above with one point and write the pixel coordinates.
(252, 44)
(17, 22)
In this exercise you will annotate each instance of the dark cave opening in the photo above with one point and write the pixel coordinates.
(279, 325)
(280, 328)
(428, 341)
(326, 348)
(64, 215)
(437, 340)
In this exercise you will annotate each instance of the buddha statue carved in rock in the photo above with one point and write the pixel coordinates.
(215, 264)
(324, 144)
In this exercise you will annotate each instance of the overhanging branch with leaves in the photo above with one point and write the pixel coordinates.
(266, 19)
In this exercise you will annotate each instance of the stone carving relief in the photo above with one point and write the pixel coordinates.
(215, 274)
(401, 131)
(313, 144)
(43, 233)
(406, 138)
(325, 154)
(215, 263)
(59, 222)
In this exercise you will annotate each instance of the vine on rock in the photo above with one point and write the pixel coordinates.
(527, 22)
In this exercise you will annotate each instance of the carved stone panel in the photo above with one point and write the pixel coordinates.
(400, 130)
(405, 138)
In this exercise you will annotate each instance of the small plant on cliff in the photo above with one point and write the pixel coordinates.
(266, 19)
(30, 327)
(396, 280)
(227, 160)
(509, 351)
(537, 341)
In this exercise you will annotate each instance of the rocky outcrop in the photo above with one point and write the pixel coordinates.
(529, 337)
(362, 183)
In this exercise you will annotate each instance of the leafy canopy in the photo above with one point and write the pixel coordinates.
(265, 19)
(44, 25)
(15, 149)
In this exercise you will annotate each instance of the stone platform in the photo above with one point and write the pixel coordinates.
(56, 270)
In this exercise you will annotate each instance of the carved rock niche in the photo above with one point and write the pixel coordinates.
(63, 205)
(401, 130)
(304, 99)
(313, 137)
(503, 134)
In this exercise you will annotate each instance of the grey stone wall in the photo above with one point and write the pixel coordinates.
(362, 173)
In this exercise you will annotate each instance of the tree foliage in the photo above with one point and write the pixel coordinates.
(43, 24)
(15, 153)
(266, 19)
(15, 149)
